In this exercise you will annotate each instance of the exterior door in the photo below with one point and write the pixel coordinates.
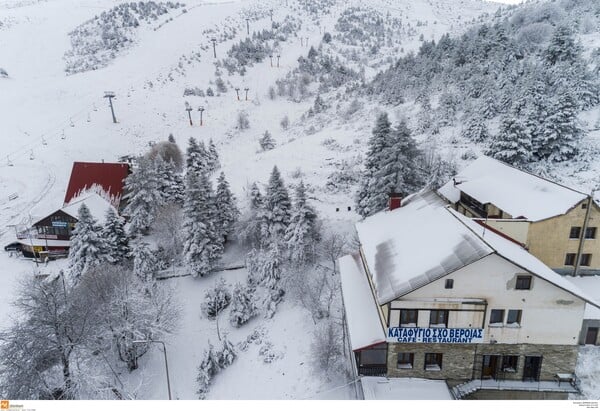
(592, 335)
(490, 366)
(532, 368)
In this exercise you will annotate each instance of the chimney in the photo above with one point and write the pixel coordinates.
(395, 201)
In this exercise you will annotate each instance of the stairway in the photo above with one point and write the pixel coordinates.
(462, 390)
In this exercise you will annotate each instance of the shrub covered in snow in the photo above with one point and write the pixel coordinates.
(243, 307)
(213, 362)
(216, 299)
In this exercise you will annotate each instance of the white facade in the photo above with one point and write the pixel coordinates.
(549, 315)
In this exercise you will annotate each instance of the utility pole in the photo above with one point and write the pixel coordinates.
(246, 90)
(189, 111)
(307, 42)
(237, 91)
(248, 26)
(278, 56)
(201, 110)
(271, 57)
(271, 12)
(109, 95)
(302, 41)
(582, 235)
(214, 42)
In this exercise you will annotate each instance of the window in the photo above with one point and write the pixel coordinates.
(374, 355)
(449, 283)
(513, 318)
(584, 206)
(523, 282)
(590, 232)
(408, 318)
(438, 318)
(509, 363)
(433, 362)
(575, 232)
(586, 260)
(405, 360)
(570, 259)
(497, 317)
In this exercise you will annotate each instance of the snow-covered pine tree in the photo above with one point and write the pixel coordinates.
(404, 164)
(266, 141)
(213, 162)
(87, 245)
(391, 166)
(512, 144)
(227, 212)
(227, 355)
(143, 197)
(116, 242)
(201, 245)
(170, 182)
(196, 157)
(145, 262)
(253, 225)
(319, 106)
(271, 267)
(370, 197)
(277, 206)
(489, 105)
(243, 307)
(302, 234)
(208, 368)
(561, 133)
(562, 47)
(476, 130)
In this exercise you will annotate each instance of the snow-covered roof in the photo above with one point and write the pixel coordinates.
(422, 241)
(382, 388)
(364, 324)
(521, 257)
(411, 246)
(516, 192)
(97, 205)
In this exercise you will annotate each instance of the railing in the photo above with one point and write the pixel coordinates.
(373, 370)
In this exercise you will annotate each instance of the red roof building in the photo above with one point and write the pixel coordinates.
(106, 179)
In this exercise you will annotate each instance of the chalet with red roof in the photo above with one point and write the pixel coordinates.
(105, 179)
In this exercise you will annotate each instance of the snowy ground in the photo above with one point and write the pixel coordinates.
(40, 105)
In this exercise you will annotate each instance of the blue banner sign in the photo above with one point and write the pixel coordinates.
(62, 224)
(435, 335)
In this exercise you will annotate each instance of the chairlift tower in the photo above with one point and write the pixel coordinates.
(201, 110)
(214, 43)
(110, 95)
(189, 109)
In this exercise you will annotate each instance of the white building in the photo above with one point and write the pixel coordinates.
(433, 294)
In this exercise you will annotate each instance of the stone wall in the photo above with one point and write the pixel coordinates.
(459, 359)
(516, 395)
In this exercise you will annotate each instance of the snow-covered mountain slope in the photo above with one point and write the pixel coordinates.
(50, 118)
